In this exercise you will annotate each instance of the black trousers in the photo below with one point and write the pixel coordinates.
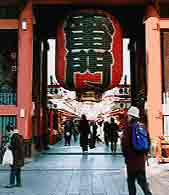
(106, 140)
(113, 146)
(67, 140)
(84, 148)
(75, 137)
(140, 176)
(15, 173)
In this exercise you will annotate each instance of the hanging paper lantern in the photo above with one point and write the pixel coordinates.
(89, 51)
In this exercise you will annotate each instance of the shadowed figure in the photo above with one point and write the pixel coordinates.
(84, 129)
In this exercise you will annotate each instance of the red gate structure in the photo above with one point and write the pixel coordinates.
(35, 24)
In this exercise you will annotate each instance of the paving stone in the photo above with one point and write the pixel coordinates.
(78, 175)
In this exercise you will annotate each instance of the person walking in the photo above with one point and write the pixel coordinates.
(100, 133)
(16, 145)
(106, 130)
(84, 129)
(68, 126)
(135, 161)
(113, 135)
(75, 130)
(93, 133)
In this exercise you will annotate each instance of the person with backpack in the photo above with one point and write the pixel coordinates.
(135, 146)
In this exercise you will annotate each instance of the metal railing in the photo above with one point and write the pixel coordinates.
(4, 122)
(7, 98)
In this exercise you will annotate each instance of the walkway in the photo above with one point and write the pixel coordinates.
(76, 174)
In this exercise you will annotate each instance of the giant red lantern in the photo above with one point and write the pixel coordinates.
(89, 51)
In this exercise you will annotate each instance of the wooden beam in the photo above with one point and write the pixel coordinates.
(8, 24)
(89, 2)
(8, 110)
(164, 23)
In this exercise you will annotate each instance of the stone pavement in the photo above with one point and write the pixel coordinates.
(65, 171)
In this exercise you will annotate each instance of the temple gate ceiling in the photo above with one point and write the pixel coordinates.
(66, 2)
(128, 18)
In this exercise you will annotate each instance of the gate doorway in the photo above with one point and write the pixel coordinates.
(63, 103)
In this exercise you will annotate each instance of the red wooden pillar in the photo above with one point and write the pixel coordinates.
(154, 77)
(25, 60)
(154, 72)
(51, 126)
(44, 92)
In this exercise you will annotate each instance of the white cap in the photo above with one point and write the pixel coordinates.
(134, 111)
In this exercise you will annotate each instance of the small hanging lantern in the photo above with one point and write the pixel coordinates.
(24, 24)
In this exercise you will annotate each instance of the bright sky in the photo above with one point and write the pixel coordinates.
(126, 60)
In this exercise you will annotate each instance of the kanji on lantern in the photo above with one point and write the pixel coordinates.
(88, 32)
(91, 61)
(91, 43)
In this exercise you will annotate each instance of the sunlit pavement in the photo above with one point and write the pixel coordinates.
(63, 170)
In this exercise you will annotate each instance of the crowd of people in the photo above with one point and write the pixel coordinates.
(91, 132)
(135, 144)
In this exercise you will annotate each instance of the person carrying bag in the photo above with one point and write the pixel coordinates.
(15, 148)
(8, 157)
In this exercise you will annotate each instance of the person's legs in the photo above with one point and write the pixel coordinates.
(115, 146)
(65, 140)
(74, 137)
(94, 141)
(106, 140)
(68, 140)
(98, 139)
(131, 183)
(12, 175)
(18, 177)
(112, 146)
(142, 181)
(85, 148)
(11, 178)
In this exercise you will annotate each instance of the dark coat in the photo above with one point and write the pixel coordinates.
(134, 161)
(94, 126)
(106, 129)
(17, 147)
(84, 129)
(114, 132)
(68, 127)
